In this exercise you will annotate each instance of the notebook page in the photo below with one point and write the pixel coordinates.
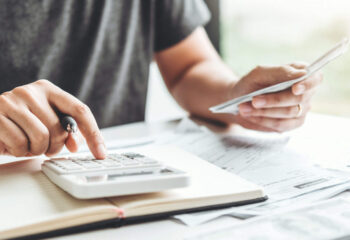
(28, 196)
(209, 185)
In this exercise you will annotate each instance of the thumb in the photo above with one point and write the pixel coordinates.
(277, 74)
(73, 141)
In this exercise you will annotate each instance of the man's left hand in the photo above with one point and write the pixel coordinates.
(281, 111)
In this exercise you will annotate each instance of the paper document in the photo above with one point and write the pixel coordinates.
(286, 176)
(194, 219)
(231, 106)
(233, 153)
(325, 220)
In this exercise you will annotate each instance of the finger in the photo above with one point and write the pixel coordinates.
(44, 112)
(271, 75)
(72, 142)
(3, 149)
(250, 125)
(13, 138)
(299, 65)
(277, 124)
(36, 131)
(281, 99)
(57, 134)
(308, 84)
(68, 104)
(283, 112)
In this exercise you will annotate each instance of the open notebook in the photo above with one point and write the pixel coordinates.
(32, 205)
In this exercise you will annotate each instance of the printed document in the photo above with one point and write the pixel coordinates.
(285, 175)
(325, 220)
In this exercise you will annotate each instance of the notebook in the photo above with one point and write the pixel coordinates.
(31, 206)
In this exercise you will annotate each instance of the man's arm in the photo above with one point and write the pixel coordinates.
(198, 79)
(195, 74)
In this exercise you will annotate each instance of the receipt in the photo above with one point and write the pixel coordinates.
(231, 106)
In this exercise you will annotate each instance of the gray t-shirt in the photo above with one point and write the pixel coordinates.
(97, 50)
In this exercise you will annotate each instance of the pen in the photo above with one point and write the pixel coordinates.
(68, 123)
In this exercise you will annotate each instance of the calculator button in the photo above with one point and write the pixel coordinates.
(88, 164)
(114, 156)
(91, 166)
(133, 155)
(62, 162)
(72, 167)
(118, 162)
(108, 163)
(83, 158)
(120, 158)
(148, 160)
(67, 164)
(130, 163)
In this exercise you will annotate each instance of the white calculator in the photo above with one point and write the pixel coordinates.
(119, 174)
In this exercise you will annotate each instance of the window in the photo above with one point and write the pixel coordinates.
(276, 32)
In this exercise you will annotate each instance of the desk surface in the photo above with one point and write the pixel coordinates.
(322, 137)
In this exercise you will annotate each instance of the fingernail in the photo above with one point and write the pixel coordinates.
(245, 109)
(101, 150)
(259, 102)
(300, 89)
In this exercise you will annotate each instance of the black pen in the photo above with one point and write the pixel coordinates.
(68, 123)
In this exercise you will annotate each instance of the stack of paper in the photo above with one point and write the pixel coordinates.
(325, 220)
(287, 177)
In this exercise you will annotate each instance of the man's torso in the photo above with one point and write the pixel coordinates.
(92, 49)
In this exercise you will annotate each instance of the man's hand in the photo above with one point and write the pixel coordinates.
(281, 111)
(29, 124)
(198, 79)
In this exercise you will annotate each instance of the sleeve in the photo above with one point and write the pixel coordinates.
(176, 19)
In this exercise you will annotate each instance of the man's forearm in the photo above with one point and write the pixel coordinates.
(204, 85)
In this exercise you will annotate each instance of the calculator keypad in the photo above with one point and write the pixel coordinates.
(82, 164)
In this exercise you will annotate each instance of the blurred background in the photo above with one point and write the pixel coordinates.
(273, 32)
(252, 32)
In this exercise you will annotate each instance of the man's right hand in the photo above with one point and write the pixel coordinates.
(29, 124)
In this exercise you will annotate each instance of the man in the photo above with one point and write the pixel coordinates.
(96, 55)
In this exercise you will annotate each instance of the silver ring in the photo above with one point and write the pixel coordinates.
(300, 110)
